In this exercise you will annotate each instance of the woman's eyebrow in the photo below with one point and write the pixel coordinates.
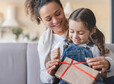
(54, 12)
(57, 10)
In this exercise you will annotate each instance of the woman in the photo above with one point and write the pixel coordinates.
(50, 12)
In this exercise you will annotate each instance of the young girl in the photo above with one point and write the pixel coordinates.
(84, 41)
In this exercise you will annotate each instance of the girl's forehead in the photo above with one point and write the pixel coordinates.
(75, 23)
(78, 25)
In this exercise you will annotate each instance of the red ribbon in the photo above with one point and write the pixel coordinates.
(73, 64)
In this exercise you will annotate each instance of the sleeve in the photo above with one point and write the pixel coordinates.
(44, 75)
(95, 51)
(110, 58)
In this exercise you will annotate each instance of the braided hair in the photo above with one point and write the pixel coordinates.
(87, 17)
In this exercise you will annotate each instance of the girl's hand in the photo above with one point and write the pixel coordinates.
(52, 65)
(56, 53)
(98, 63)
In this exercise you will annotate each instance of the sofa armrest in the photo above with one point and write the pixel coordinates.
(33, 66)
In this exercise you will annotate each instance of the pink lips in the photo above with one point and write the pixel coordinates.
(76, 41)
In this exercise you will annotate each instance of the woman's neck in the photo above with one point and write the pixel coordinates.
(60, 33)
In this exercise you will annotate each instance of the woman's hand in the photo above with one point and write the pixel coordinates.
(98, 63)
(52, 65)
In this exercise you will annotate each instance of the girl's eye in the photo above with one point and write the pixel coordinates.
(58, 13)
(71, 31)
(81, 33)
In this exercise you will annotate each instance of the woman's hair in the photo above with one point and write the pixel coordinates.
(33, 7)
(86, 16)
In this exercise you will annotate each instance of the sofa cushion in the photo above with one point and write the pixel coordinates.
(13, 63)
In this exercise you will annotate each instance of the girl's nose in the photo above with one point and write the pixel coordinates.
(75, 35)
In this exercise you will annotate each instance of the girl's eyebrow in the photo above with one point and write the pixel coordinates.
(47, 17)
(70, 28)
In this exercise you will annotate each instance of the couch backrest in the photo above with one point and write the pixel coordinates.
(19, 63)
(111, 47)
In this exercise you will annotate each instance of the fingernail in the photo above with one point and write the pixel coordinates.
(88, 60)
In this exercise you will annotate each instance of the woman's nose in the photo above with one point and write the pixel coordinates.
(55, 20)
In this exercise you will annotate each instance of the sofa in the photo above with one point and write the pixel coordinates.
(19, 63)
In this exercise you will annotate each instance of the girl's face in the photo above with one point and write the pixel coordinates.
(53, 17)
(78, 32)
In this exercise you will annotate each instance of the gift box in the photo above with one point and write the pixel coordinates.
(74, 72)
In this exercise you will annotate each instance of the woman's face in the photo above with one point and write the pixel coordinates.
(52, 15)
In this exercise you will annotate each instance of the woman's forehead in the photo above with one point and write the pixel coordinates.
(49, 9)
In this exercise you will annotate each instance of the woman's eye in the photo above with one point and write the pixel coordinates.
(58, 13)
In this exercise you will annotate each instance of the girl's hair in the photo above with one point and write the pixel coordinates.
(33, 7)
(86, 16)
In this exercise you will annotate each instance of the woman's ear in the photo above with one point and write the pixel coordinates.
(93, 30)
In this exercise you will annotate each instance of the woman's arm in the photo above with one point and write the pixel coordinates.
(44, 45)
(110, 58)
(47, 73)
(103, 62)
(47, 66)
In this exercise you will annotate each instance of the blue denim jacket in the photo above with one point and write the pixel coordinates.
(77, 53)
